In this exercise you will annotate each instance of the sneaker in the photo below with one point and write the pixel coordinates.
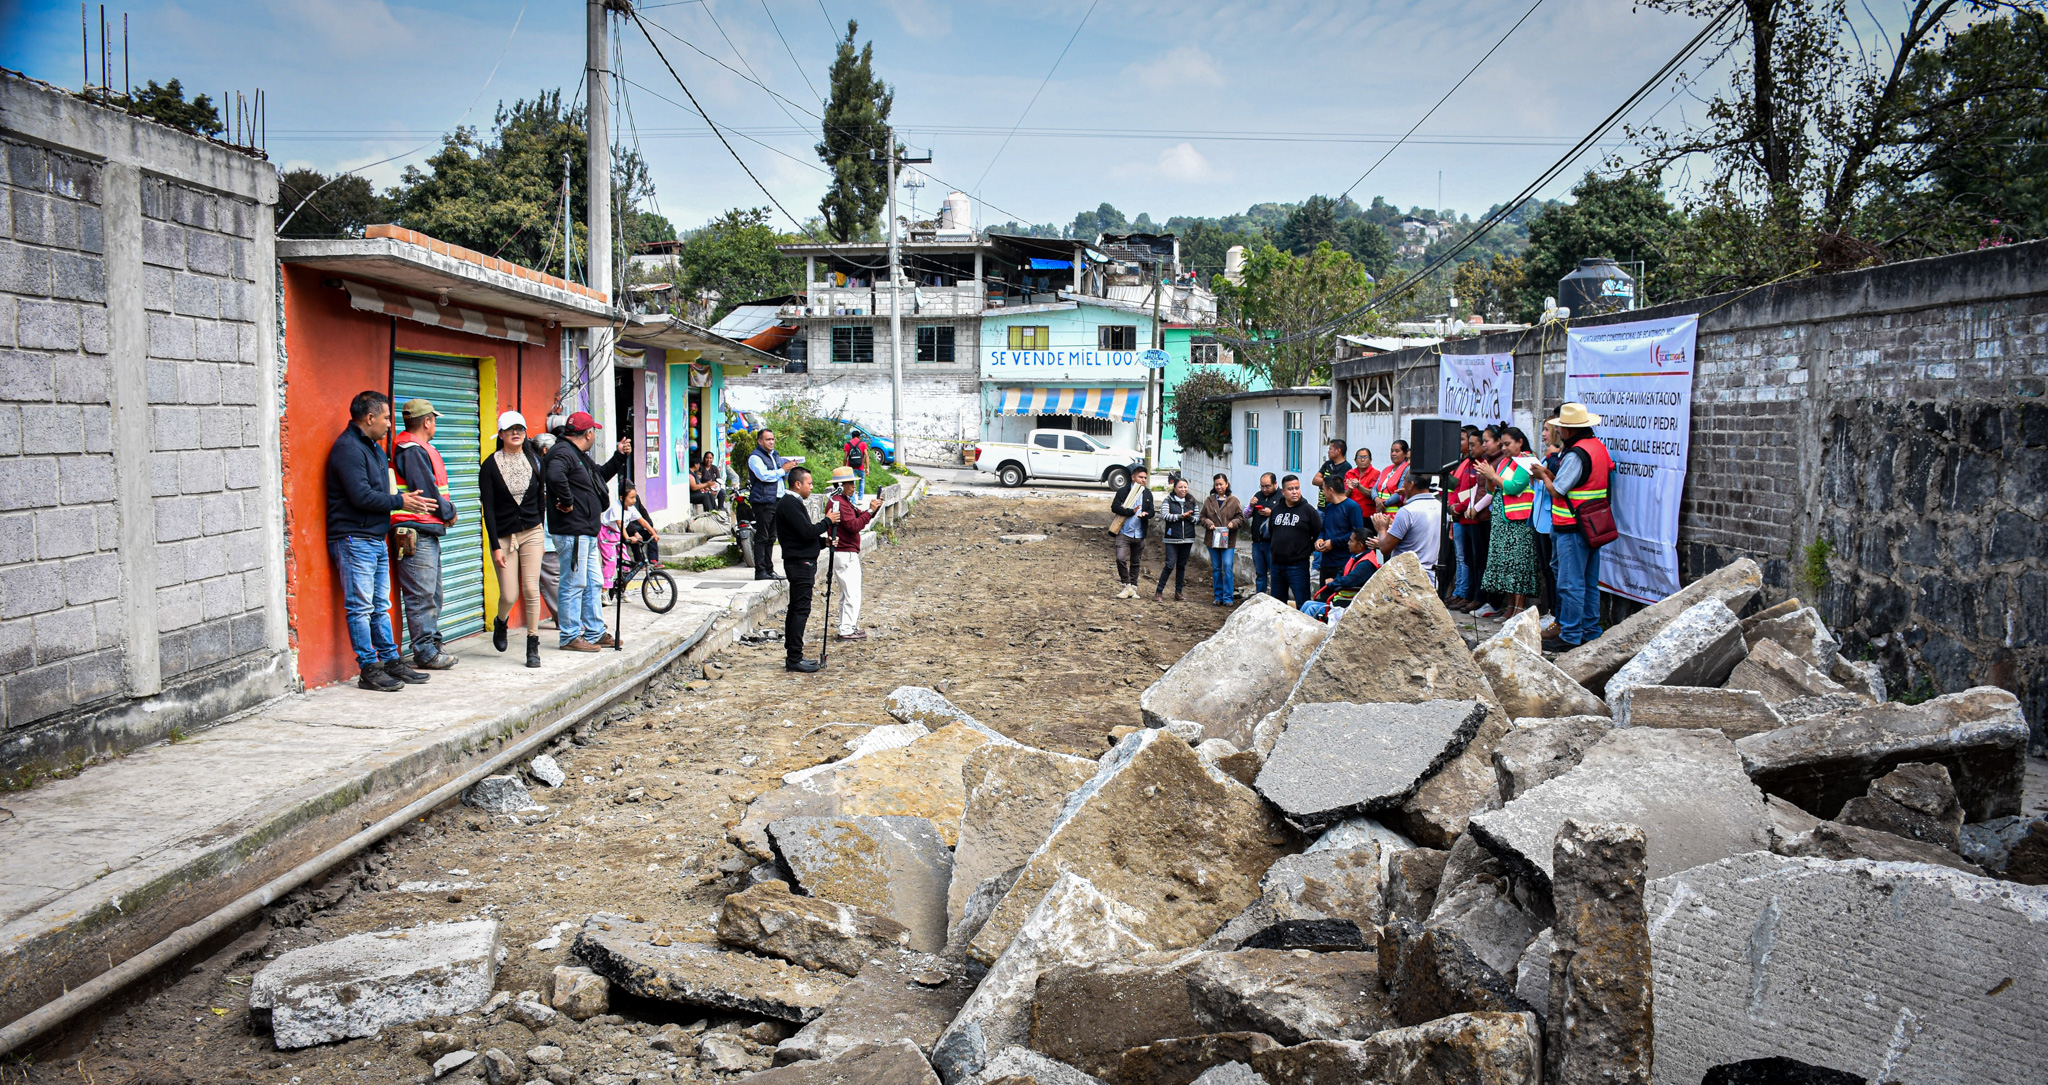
(858, 634)
(374, 678)
(1486, 610)
(1557, 645)
(439, 661)
(397, 669)
(580, 645)
(803, 666)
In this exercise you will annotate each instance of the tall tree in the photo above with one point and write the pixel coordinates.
(1088, 225)
(1311, 224)
(1624, 218)
(1367, 242)
(734, 255)
(326, 206)
(503, 196)
(1284, 296)
(855, 129)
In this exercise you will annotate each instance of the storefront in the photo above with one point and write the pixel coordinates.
(675, 373)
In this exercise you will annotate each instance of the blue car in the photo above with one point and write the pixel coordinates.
(878, 445)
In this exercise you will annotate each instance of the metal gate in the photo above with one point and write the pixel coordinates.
(451, 384)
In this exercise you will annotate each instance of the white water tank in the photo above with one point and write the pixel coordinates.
(955, 213)
(1233, 263)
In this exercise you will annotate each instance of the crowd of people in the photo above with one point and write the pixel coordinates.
(1525, 530)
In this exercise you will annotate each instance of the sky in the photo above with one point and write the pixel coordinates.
(1199, 107)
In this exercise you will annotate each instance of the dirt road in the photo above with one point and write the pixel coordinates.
(1025, 636)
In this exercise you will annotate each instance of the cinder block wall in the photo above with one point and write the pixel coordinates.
(1883, 428)
(141, 559)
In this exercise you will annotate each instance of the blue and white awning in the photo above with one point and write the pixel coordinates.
(1116, 403)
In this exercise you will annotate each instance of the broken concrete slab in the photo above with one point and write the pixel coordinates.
(1599, 1016)
(1087, 1016)
(578, 993)
(1229, 1073)
(1291, 995)
(501, 794)
(623, 950)
(2013, 848)
(1437, 814)
(1916, 801)
(1699, 648)
(1979, 734)
(980, 905)
(1835, 840)
(904, 996)
(1800, 632)
(1342, 759)
(1483, 913)
(888, 736)
(361, 984)
(898, 1063)
(897, 867)
(1182, 844)
(1431, 973)
(1318, 1062)
(1023, 1066)
(1532, 972)
(1529, 685)
(1356, 832)
(1413, 876)
(1014, 795)
(1801, 709)
(1182, 1060)
(1461, 1049)
(921, 779)
(921, 705)
(1592, 663)
(1779, 676)
(1863, 678)
(1525, 629)
(1241, 672)
(1312, 886)
(809, 931)
(1686, 789)
(1776, 610)
(1073, 923)
(1539, 750)
(1890, 972)
(1788, 822)
(1735, 712)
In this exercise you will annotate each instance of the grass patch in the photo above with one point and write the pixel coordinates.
(705, 564)
(1813, 565)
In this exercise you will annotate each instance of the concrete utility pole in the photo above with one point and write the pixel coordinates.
(599, 186)
(1159, 397)
(896, 308)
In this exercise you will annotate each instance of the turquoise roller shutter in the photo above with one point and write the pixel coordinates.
(451, 384)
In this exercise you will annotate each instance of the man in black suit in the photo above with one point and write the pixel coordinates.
(801, 540)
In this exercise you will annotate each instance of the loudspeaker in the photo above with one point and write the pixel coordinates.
(1433, 445)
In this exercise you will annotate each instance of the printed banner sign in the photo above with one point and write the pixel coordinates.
(1110, 365)
(1476, 389)
(1638, 378)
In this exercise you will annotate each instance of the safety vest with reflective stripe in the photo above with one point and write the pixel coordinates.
(1514, 471)
(404, 438)
(1594, 485)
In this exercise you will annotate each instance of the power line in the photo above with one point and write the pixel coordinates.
(1440, 101)
(792, 54)
(830, 23)
(743, 75)
(1034, 94)
(720, 27)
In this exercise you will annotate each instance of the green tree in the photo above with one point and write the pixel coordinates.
(1491, 290)
(1367, 242)
(503, 197)
(1311, 224)
(1198, 423)
(1088, 225)
(855, 129)
(1203, 245)
(339, 206)
(1624, 218)
(167, 105)
(735, 255)
(642, 227)
(1285, 317)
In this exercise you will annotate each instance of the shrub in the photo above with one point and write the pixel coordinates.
(1199, 424)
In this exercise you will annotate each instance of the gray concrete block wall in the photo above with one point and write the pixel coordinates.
(59, 646)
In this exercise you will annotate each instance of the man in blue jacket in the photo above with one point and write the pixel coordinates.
(1342, 518)
(359, 508)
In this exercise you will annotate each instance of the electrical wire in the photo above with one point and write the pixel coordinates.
(1440, 101)
(720, 27)
(1034, 94)
(794, 62)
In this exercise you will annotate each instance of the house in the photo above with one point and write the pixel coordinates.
(675, 374)
(1281, 430)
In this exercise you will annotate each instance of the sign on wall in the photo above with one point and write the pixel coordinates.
(1638, 378)
(1475, 389)
(1110, 365)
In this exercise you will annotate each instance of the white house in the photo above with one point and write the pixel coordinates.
(1281, 430)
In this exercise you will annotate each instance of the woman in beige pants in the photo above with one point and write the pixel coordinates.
(511, 485)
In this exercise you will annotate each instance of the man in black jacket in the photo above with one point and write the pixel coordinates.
(801, 540)
(1295, 527)
(577, 497)
(359, 508)
(1134, 504)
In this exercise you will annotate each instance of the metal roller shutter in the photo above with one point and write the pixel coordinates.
(451, 384)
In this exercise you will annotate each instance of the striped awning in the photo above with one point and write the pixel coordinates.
(1117, 403)
(379, 299)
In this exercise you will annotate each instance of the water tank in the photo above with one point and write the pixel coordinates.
(1233, 263)
(1598, 286)
(955, 213)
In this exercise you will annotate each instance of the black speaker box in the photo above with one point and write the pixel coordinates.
(1433, 445)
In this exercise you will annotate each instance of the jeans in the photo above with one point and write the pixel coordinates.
(1291, 578)
(419, 589)
(1578, 588)
(1176, 566)
(582, 589)
(364, 568)
(1262, 565)
(1223, 573)
(803, 577)
(1129, 552)
(1463, 538)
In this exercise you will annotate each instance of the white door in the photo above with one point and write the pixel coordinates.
(1046, 459)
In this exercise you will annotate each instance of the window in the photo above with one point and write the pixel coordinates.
(853, 344)
(1373, 393)
(1096, 426)
(1207, 352)
(935, 343)
(1293, 419)
(1046, 440)
(1079, 444)
(1251, 438)
(1028, 337)
(1117, 337)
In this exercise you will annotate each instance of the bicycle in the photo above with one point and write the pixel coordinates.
(657, 588)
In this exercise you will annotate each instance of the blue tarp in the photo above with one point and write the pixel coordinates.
(1038, 264)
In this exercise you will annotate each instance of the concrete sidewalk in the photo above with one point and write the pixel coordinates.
(96, 868)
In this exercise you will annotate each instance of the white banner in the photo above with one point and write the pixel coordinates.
(1094, 365)
(1476, 389)
(1638, 378)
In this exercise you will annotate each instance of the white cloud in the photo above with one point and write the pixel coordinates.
(1181, 162)
(922, 18)
(1187, 66)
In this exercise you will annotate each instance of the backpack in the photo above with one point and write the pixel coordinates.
(856, 453)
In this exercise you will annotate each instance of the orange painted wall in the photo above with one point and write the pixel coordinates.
(331, 353)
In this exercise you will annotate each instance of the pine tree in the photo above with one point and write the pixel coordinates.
(856, 129)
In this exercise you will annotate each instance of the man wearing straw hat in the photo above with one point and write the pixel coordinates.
(846, 529)
(1579, 490)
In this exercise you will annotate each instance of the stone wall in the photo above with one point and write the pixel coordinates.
(941, 403)
(141, 560)
(1875, 440)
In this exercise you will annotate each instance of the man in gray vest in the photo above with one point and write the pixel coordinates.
(765, 471)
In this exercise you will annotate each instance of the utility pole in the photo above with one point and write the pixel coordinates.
(598, 261)
(1159, 397)
(896, 308)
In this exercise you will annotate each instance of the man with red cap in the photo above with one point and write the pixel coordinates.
(577, 497)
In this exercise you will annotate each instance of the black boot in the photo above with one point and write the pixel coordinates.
(533, 651)
(498, 634)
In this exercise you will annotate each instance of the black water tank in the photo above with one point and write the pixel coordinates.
(1598, 286)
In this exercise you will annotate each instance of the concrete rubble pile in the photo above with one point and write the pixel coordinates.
(1703, 847)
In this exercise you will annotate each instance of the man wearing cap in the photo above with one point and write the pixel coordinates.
(417, 464)
(359, 508)
(1581, 479)
(846, 529)
(577, 497)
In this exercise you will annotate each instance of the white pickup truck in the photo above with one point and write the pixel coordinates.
(1058, 454)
